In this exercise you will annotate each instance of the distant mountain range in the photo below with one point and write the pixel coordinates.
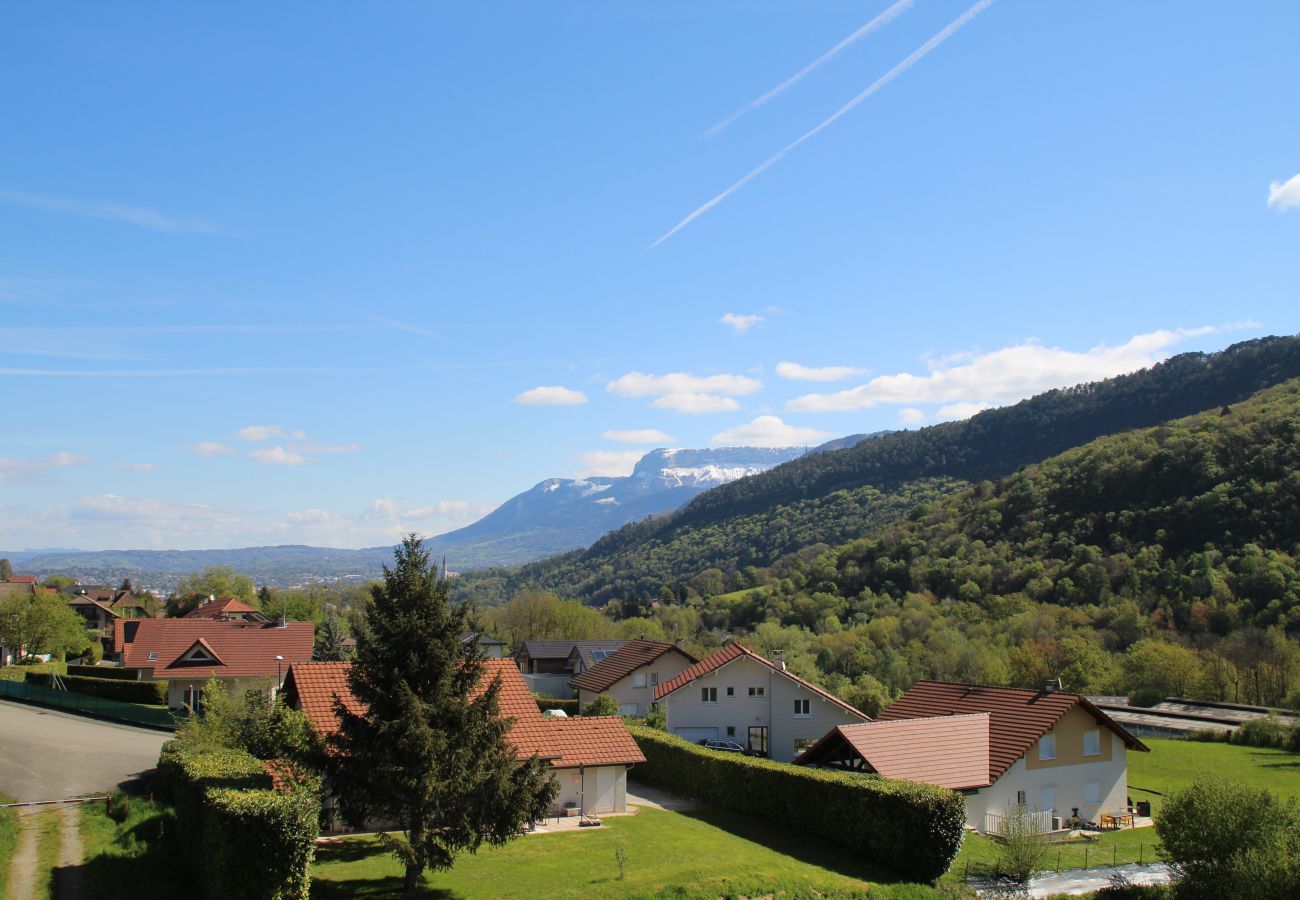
(554, 516)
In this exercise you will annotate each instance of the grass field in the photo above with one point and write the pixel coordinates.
(702, 853)
(8, 838)
(135, 857)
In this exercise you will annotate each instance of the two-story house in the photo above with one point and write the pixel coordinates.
(1052, 752)
(737, 694)
(548, 665)
(631, 674)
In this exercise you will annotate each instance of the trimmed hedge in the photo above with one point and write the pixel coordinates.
(913, 829)
(151, 693)
(19, 673)
(545, 703)
(114, 672)
(243, 840)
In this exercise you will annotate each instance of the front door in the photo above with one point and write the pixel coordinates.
(758, 739)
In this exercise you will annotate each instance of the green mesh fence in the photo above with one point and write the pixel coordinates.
(151, 716)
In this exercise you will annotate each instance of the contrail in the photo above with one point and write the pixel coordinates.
(893, 12)
(913, 58)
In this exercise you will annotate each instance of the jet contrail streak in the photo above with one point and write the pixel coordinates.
(893, 12)
(912, 59)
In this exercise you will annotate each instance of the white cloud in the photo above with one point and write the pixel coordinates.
(267, 432)
(276, 455)
(639, 384)
(609, 462)
(109, 212)
(29, 471)
(796, 372)
(695, 404)
(767, 431)
(551, 395)
(208, 449)
(325, 448)
(1284, 195)
(955, 411)
(638, 436)
(1003, 376)
(137, 467)
(741, 323)
(910, 415)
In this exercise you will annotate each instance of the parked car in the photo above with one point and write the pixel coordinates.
(725, 746)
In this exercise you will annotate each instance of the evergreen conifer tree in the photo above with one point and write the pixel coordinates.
(329, 643)
(430, 754)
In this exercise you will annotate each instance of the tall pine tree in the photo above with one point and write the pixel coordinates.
(431, 753)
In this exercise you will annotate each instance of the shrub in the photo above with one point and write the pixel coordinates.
(1231, 841)
(604, 705)
(1024, 845)
(569, 706)
(914, 829)
(151, 693)
(115, 672)
(19, 673)
(244, 840)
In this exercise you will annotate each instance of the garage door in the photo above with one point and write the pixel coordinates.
(697, 734)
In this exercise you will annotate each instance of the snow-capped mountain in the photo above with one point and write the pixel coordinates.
(561, 514)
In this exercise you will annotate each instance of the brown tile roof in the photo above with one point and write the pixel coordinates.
(1018, 717)
(631, 656)
(220, 606)
(566, 743)
(947, 751)
(84, 600)
(244, 649)
(22, 579)
(733, 650)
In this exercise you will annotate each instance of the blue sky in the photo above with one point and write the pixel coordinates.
(296, 273)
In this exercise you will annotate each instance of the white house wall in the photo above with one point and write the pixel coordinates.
(667, 667)
(583, 788)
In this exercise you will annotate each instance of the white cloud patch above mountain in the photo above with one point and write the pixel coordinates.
(1284, 195)
(684, 392)
(1004, 376)
(610, 463)
(955, 411)
(257, 433)
(275, 455)
(32, 470)
(551, 395)
(910, 415)
(695, 404)
(741, 323)
(767, 431)
(796, 372)
(638, 436)
(209, 449)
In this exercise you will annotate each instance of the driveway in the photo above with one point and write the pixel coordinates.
(46, 755)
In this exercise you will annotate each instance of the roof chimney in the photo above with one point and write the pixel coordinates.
(778, 660)
(1052, 686)
(680, 643)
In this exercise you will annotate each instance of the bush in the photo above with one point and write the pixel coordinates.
(569, 706)
(1024, 844)
(114, 672)
(244, 840)
(604, 705)
(1231, 841)
(151, 693)
(914, 829)
(1266, 732)
(19, 673)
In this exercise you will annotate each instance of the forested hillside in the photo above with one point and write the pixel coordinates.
(834, 497)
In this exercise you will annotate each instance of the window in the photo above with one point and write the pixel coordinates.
(802, 744)
(731, 731)
(1092, 792)
(1020, 798)
(654, 678)
(757, 692)
(1047, 747)
(1091, 743)
(731, 692)
(627, 709)
(638, 679)
(153, 656)
(708, 695)
(801, 708)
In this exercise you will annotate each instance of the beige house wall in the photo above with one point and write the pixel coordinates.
(598, 790)
(665, 668)
(176, 688)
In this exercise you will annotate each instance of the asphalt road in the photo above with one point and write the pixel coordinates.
(46, 755)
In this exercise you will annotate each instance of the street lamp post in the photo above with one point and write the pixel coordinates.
(279, 661)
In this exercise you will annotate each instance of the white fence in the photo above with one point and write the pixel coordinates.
(1040, 819)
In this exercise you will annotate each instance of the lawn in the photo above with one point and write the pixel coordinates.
(131, 853)
(8, 838)
(701, 853)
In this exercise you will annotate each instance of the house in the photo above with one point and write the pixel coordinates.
(631, 674)
(737, 694)
(227, 609)
(548, 665)
(187, 652)
(588, 756)
(99, 614)
(493, 648)
(1051, 751)
(21, 579)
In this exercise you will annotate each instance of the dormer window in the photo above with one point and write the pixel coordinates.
(198, 654)
(153, 656)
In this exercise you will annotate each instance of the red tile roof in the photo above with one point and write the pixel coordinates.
(631, 656)
(733, 650)
(566, 743)
(947, 751)
(221, 606)
(22, 579)
(84, 600)
(244, 649)
(1018, 717)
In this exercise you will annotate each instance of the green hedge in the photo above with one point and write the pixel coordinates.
(914, 829)
(19, 673)
(114, 672)
(151, 693)
(545, 703)
(243, 840)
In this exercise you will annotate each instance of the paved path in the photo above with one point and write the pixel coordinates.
(46, 755)
(67, 878)
(22, 866)
(1087, 881)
